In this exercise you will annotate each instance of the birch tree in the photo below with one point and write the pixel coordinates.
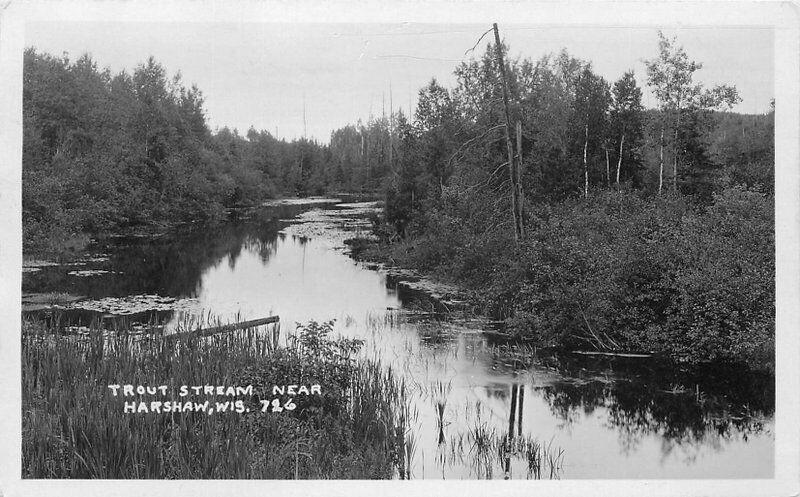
(592, 98)
(671, 77)
(626, 125)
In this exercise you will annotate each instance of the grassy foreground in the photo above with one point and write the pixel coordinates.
(74, 427)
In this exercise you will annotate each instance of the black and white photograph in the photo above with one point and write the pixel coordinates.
(315, 243)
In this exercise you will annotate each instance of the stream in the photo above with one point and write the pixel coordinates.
(583, 417)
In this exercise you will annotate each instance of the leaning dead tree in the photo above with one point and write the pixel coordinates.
(513, 163)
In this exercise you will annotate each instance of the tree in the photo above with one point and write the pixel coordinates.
(103, 152)
(553, 131)
(406, 189)
(517, 202)
(626, 127)
(671, 74)
(745, 145)
(435, 121)
(592, 98)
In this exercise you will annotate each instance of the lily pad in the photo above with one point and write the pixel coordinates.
(135, 304)
(43, 301)
(38, 264)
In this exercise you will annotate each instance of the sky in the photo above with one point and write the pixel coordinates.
(265, 74)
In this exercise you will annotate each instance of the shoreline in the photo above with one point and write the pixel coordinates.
(447, 297)
(64, 250)
(376, 256)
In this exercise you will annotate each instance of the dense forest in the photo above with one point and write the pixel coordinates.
(108, 152)
(575, 214)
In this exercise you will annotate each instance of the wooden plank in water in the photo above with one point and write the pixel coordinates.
(225, 328)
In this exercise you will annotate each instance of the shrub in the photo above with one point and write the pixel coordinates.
(619, 271)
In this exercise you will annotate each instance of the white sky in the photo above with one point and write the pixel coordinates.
(260, 74)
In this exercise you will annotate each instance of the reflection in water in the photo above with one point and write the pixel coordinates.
(706, 407)
(168, 265)
(479, 413)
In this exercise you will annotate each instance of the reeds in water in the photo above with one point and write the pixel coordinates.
(74, 427)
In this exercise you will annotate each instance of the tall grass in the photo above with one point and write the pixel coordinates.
(73, 427)
(490, 452)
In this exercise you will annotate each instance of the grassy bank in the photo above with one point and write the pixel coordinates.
(616, 271)
(74, 427)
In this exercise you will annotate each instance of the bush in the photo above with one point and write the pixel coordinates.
(619, 271)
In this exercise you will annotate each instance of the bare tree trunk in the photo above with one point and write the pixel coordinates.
(608, 168)
(661, 162)
(520, 191)
(619, 162)
(675, 164)
(585, 163)
(509, 147)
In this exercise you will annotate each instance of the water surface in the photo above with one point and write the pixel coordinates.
(596, 418)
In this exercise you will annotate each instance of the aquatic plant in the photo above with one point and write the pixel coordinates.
(74, 427)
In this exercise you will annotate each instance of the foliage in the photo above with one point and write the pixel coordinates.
(107, 152)
(627, 129)
(745, 147)
(81, 431)
(684, 106)
(621, 271)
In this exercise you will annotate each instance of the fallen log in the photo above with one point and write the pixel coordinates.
(206, 332)
(613, 354)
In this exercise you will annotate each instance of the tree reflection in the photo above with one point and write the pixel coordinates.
(704, 405)
(170, 264)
